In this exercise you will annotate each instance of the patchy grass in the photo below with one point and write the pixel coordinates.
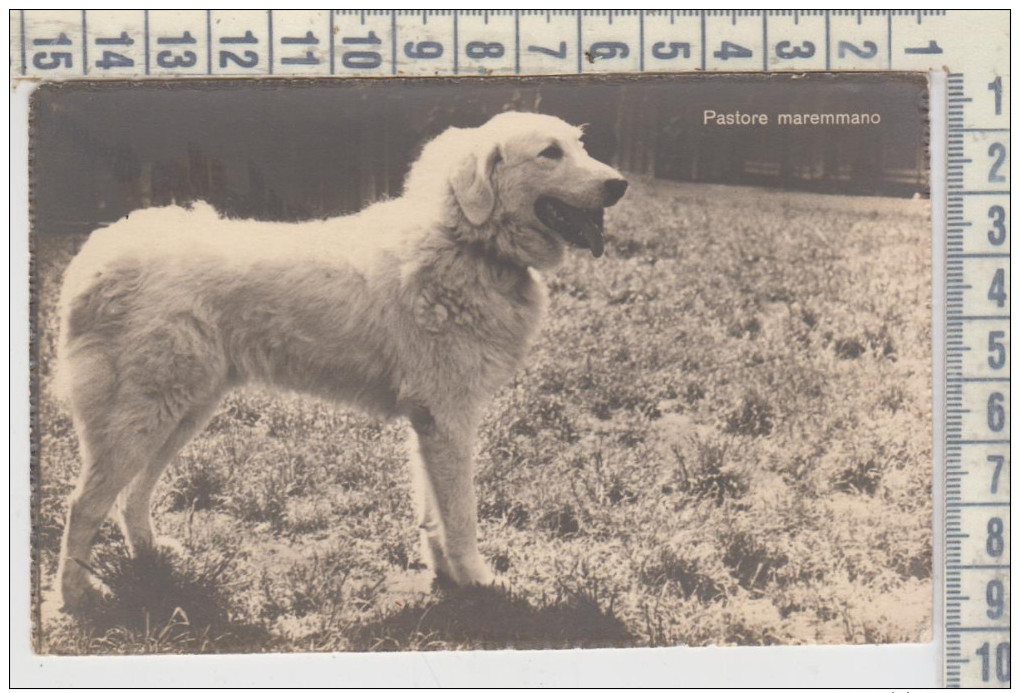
(722, 437)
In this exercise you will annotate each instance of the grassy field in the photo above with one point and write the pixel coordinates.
(722, 437)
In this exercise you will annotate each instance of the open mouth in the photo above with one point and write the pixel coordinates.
(578, 227)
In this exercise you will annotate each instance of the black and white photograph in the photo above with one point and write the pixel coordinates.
(481, 363)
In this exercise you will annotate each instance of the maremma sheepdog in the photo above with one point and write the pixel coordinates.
(418, 307)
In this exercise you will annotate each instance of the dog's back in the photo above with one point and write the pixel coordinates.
(284, 304)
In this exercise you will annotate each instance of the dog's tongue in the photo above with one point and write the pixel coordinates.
(592, 229)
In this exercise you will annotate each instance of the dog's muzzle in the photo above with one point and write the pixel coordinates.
(584, 228)
(579, 227)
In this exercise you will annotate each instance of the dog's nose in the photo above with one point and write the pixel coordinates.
(613, 190)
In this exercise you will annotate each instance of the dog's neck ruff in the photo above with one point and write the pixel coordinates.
(482, 244)
(501, 267)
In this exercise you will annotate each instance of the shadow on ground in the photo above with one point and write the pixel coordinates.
(161, 602)
(157, 602)
(480, 618)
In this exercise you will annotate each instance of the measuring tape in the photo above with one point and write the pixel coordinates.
(971, 202)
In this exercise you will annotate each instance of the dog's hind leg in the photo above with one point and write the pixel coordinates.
(112, 456)
(449, 488)
(130, 424)
(135, 501)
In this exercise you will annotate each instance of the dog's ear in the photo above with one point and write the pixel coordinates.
(471, 181)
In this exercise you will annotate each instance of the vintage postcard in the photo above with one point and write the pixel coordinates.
(525, 363)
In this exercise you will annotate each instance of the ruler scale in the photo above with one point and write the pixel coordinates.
(974, 327)
(977, 571)
(118, 44)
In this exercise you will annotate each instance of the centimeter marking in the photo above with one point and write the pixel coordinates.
(975, 333)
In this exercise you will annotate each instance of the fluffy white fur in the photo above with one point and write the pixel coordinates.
(418, 307)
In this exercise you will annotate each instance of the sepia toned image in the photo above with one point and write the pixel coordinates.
(481, 363)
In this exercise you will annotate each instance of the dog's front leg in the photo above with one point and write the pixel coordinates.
(448, 497)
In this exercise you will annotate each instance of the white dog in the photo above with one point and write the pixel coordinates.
(419, 307)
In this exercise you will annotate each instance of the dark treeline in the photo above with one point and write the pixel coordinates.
(278, 150)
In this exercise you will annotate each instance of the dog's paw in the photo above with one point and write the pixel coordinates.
(76, 593)
(469, 571)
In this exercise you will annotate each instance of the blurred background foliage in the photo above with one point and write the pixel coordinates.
(295, 150)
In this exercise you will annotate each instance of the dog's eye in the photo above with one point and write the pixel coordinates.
(553, 151)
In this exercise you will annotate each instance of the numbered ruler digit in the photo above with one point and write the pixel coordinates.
(672, 40)
(611, 42)
(178, 43)
(550, 42)
(240, 42)
(979, 225)
(858, 40)
(425, 43)
(487, 42)
(735, 40)
(983, 162)
(363, 43)
(116, 41)
(301, 42)
(988, 658)
(918, 39)
(991, 586)
(797, 40)
(52, 43)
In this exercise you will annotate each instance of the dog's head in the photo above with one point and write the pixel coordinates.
(526, 188)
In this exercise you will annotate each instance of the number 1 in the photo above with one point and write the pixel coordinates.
(996, 86)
